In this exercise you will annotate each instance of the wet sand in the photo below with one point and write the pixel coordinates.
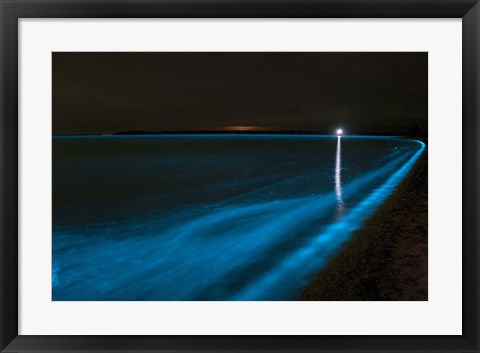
(388, 258)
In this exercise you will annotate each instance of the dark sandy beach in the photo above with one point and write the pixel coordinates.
(388, 258)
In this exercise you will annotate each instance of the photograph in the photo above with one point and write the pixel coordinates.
(239, 176)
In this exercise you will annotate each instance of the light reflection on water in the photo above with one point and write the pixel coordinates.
(255, 248)
(338, 177)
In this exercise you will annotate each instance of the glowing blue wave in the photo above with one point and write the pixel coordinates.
(315, 254)
(261, 250)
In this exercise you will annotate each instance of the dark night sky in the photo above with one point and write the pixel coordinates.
(361, 92)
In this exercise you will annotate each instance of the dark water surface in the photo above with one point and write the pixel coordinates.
(211, 217)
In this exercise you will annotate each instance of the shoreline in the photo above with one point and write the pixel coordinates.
(237, 132)
(387, 259)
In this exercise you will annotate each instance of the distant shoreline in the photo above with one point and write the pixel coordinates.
(249, 132)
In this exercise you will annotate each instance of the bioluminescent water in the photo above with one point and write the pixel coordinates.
(211, 217)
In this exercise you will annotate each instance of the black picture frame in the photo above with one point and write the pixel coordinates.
(12, 10)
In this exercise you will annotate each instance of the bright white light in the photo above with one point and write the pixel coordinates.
(339, 131)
